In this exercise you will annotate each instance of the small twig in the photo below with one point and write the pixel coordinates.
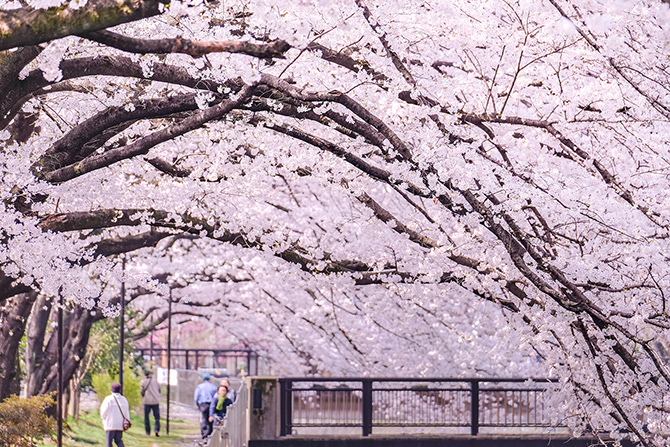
(307, 47)
(660, 289)
(490, 87)
(48, 110)
(516, 75)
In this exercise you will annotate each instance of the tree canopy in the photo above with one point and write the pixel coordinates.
(384, 187)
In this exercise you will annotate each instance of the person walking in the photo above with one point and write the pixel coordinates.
(113, 411)
(203, 398)
(151, 395)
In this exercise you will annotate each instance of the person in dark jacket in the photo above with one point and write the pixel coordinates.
(217, 409)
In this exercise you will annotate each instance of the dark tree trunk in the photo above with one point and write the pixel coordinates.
(77, 331)
(42, 348)
(13, 315)
(35, 353)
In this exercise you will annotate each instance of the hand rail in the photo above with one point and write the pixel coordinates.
(233, 432)
(429, 402)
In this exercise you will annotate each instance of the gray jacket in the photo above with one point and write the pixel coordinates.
(150, 391)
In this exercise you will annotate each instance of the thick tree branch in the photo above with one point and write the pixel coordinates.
(345, 124)
(386, 217)
(582, 155)
(35, 83)
(273, 49)
(89, 136)
(126, 244)
(606, 388)
(143, 145)
(28, 26)
(99, 219)
(341, 98)
(11, 64)
(168, 168)
(10, 287)
(357, 162)
(343, 60)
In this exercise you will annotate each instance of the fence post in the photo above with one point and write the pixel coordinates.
(474, 408)
(367, 407)
(285, 407)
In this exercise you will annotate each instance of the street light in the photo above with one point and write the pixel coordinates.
(169, 359)
(123, 319)
(59, 405)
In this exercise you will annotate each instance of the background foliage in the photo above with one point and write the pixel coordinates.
(102, 383)
(23, 421)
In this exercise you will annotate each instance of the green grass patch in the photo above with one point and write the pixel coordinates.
(88, 432)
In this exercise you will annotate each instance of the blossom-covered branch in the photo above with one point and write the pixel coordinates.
(28, 26)
(276, 48)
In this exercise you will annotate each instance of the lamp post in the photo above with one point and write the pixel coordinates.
(169, 354)
(123, 318)
(59, 406)
(151, 341)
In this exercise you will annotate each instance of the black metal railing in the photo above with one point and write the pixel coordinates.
(231, 360)
(402, 402)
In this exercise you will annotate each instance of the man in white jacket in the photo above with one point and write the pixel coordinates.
(113, 410)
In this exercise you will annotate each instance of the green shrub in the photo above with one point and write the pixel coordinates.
(24, 421)
(102, 384)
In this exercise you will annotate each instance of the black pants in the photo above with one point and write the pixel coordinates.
(157, 419)
(116, 436)
(205, 425)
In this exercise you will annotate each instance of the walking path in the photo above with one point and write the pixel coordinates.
(190, 414)
(179, 414)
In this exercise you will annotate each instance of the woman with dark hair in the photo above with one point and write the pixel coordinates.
(217, 409)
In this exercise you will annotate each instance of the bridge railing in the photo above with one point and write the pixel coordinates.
(230, 360)
(233, 432)
(387, 402)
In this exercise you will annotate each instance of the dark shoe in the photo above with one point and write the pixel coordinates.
(156, 433)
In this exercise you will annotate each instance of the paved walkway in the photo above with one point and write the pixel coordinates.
(190, 414)
(183, 412)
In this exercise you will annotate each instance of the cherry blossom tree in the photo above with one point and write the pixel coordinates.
(406, 188)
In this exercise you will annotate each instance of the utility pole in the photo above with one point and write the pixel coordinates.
(169, 355)
(59, 406)
(151, 340)
(123, 319)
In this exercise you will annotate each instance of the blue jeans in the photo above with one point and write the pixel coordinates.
(157, 419)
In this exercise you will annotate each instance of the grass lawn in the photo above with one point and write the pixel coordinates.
(88, 432)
